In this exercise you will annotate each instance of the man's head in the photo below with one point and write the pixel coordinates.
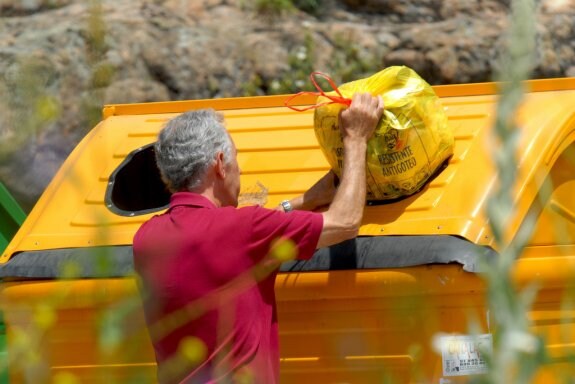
(194, 147)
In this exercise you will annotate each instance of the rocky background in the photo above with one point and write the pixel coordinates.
(61, 60)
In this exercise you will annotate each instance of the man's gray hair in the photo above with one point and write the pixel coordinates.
(188, 144)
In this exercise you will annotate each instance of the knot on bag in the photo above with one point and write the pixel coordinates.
(339, 99)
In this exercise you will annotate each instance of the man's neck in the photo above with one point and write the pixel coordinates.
(208, 193)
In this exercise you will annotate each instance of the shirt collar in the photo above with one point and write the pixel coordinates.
(190, 199)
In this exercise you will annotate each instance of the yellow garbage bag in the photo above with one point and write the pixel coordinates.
(411, 141)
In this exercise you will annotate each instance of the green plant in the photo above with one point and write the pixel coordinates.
(312, 7)
(96, 31)
(273, 8)
(102, 72)
(349, 62)
(301, 64)
(276, 8)
(517, 353)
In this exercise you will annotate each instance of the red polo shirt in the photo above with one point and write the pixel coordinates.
(204, 278)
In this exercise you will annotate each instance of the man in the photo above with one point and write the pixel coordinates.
(207, 269)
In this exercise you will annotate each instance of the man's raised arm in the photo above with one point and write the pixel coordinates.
(357, 124)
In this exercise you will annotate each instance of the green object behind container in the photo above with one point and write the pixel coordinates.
(11, 218)
(4, 378)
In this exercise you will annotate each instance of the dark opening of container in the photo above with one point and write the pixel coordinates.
(136, 187)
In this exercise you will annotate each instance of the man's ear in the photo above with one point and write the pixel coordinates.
(220, 165)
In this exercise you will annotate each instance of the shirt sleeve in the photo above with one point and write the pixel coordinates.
(301, 227)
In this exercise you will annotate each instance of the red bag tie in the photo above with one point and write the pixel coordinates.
(320, 92)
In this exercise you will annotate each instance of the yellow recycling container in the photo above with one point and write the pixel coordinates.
(396, 304)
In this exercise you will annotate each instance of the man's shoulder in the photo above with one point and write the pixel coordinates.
(257, 210)
(277, 217)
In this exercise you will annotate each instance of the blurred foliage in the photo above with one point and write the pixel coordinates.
(517, 352)
(96, 32)
(29, 105)
(102, 72)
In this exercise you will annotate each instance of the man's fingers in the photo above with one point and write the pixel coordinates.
(369, 99)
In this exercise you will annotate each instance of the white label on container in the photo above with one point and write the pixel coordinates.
(463, 355)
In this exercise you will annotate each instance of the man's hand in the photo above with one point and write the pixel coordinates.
(322, 192)
(361, 118)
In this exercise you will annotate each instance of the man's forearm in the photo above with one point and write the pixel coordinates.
(320, 195)
(297, 203)
(347, 204)
(349, 200)
(343, 218)
(301, 203)
(357, 125)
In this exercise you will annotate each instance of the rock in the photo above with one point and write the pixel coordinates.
(453, 8)
(416, 60)
(32, 167)
(388, 40)
(267, 58)
(445, 62)
(27, 7)
(406, 11)
(135, 91)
